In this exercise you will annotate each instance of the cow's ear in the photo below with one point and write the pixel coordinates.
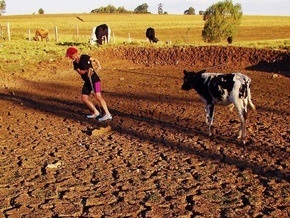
(185, 72)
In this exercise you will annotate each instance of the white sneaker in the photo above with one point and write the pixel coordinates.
(105, 117)
(93, 116)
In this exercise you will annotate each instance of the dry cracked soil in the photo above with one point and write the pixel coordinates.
(154, 159)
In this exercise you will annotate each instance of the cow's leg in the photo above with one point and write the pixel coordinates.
(245, 116)
(209, 108)
(242, 132)
(242, 111)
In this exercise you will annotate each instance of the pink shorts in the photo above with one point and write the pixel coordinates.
(97, 87)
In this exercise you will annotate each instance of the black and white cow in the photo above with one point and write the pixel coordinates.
(150, 34)
(100, 34)
(217, 88)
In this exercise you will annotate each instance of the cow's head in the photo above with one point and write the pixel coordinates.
(155, 40)
(189, 79)
(92, 41)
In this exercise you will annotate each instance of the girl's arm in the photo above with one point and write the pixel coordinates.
(81, 72)
(97, 64)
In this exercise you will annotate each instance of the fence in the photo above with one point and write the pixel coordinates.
(55, 34)
(5, 32)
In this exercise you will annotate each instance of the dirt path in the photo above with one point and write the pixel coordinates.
(157, 160)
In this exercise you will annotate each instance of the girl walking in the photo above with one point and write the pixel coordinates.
(92, 83)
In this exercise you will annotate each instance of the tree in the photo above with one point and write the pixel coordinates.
(110, 9)
(221, 21)
(2, 7)
(160, 8)
(107, 9)
(142, 9)
(190, 11)
(122, 10)
(40, 11)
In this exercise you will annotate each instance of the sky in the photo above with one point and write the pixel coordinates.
(249, 7)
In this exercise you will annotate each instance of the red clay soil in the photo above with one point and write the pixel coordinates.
(154, 159)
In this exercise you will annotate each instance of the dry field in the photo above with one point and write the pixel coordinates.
(179, 29)
(154, 159)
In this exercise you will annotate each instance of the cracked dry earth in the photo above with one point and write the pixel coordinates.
(154, 159)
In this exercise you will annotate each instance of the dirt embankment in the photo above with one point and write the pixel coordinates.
(207, 57)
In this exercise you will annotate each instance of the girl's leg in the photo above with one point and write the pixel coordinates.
(99, 97)
(86, 100)
(103, 103)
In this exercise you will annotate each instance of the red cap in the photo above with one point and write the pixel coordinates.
(70, 51)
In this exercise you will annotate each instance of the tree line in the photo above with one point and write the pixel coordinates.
(143, 8)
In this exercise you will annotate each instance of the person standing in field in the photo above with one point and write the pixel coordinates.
(92, 83)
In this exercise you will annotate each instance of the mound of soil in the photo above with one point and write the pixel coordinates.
(209, 57)
(154, 159)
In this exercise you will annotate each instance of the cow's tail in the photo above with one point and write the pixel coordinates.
(250, 97)
(109, 35)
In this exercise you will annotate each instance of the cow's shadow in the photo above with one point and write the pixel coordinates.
(280, 66)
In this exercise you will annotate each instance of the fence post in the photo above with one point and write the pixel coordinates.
(55, 34)
(29, 39)
(130, 38)
(8, 32)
